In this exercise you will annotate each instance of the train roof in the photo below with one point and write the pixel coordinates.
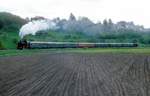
(40, 42)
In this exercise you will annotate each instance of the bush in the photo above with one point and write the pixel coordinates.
(1, 46)
(15, 40)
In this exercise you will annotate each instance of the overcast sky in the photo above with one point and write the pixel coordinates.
(97, 10)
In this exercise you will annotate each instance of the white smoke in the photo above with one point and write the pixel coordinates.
(35, 26)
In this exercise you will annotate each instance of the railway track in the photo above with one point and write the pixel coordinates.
(68, 74)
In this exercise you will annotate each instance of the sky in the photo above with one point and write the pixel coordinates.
(137, 11)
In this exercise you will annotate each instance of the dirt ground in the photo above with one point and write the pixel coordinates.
(74, 74)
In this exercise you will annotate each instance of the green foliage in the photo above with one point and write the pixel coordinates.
(127, 36)
(1, 45)
(10, 22)
(60, 37)
(15, 40)
(9, 27)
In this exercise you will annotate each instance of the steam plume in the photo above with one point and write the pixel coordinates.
(35, 26)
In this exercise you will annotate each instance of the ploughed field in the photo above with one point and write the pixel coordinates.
(74, 74)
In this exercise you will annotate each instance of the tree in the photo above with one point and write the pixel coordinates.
(37, 18)
(110, 22)
(105, 26)
(105, 23)
(72, 17)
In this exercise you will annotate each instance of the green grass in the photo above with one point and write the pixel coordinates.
(78, 50)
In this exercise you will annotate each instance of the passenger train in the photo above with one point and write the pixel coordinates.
(23, 44)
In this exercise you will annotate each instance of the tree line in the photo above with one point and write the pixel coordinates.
(73, 30)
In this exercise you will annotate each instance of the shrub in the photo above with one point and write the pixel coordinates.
(15, 40)
(1, 46)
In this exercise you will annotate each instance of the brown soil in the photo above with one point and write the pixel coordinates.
(70, 74)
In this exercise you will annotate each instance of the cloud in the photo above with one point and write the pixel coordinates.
(129, 10)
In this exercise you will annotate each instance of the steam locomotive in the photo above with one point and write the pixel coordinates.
(45, 45)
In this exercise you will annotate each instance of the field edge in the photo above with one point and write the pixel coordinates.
(78, 50)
